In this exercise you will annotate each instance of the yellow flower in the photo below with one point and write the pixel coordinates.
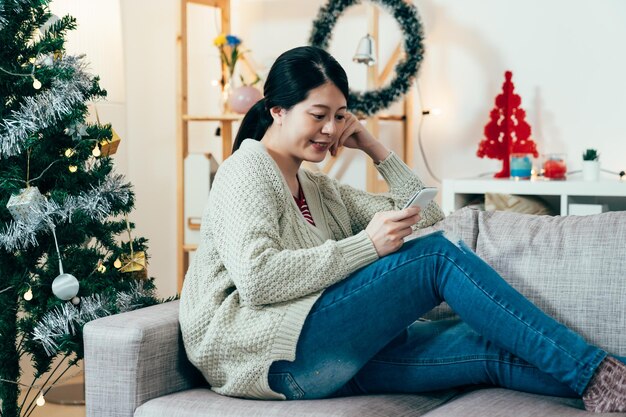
(220, 40)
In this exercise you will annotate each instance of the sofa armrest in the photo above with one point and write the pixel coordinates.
(133, 357)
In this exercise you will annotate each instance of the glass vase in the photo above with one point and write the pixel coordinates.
(227, 90)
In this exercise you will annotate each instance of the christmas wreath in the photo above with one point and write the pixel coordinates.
(369, 102)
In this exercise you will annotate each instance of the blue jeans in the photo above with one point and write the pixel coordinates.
(363, 334)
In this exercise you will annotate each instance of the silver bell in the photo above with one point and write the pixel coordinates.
(365, 52)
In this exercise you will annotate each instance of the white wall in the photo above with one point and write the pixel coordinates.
(150, 51)
(139, 76)
(566, 66)
(565, 56)
(99, 36)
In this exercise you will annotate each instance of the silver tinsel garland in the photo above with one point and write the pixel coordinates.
(3, 20)
(64, 320)
(16, 5)
(46, 108)
(95, 203)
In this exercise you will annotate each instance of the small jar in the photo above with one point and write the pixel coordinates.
(554, 166)
(521, 165)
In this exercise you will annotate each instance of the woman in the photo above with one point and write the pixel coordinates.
(304, 288)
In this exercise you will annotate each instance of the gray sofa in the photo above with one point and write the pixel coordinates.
(574, 268)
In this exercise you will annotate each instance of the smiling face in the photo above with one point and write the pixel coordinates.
(307, 130)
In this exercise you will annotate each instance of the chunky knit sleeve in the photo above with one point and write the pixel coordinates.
(402, 183)
(245, 205)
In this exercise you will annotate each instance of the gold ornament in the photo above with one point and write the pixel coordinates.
(69, 152)
(96, 151)
(136, 261)
(117, 263)
(108, 147)
(101, 268)
(73, 168)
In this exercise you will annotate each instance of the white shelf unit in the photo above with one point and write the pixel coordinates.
(457, 193)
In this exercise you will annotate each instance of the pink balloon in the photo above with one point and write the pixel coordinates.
(243, 98)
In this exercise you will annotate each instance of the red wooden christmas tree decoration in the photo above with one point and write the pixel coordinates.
(507, 132)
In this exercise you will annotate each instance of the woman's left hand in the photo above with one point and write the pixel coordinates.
(354, 135)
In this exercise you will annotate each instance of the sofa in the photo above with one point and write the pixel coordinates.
(573, 267)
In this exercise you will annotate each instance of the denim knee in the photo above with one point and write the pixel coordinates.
(439, 241)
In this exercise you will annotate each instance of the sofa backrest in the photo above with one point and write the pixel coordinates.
(462, 223)
(572, 267)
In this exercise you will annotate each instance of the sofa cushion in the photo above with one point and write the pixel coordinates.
(462, 223)
(494, 402)
(573, 268)
(202, 402)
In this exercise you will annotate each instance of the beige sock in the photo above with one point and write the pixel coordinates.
(606, 392)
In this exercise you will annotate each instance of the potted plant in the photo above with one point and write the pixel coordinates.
(591, 165)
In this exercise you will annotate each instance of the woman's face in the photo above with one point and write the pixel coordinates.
(308, 129)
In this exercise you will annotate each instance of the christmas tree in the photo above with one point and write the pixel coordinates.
(67, 255)
(507, 131)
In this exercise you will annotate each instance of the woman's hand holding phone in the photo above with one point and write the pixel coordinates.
(387, 229)
(422, 197)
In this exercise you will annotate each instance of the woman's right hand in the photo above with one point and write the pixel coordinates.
(387, 229)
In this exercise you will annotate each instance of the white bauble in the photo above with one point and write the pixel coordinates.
(65, 286)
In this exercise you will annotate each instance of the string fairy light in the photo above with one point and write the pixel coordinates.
(39, 386)
(36, 83)
(28, 295)
(6, 289)
(46, 108)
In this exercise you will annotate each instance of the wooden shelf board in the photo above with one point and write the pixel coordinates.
(211, 3)
(239, 117)
(214, 118)
(194, 223)
(190, 247)
(392, 117)
(386, 117)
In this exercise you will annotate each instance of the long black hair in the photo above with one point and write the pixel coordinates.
(292, 76)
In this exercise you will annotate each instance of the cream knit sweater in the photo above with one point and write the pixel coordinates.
(261, 266)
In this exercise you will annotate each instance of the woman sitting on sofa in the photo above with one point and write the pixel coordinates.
(304, 288)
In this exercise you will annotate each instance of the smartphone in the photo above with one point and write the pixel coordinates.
(422, 197)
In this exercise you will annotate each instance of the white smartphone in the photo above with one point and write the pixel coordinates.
(422, 197)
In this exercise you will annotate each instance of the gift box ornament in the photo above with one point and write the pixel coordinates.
(108, 147)
(24, 205)
(136, 261)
